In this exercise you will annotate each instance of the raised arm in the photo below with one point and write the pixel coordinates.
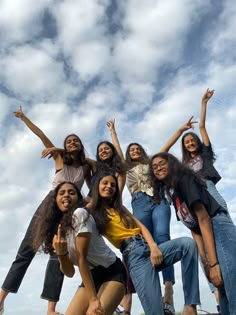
(202, 123)
(114, 138)
(38, 132)
(60, 246)
(188, 125)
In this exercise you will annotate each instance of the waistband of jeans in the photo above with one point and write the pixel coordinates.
(129, 240)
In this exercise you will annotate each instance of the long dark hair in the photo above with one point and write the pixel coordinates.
(144, 157)
(186, 156)
(99, 211)
(80, 157)
(115, 162)
(176, 170)
(49, 217)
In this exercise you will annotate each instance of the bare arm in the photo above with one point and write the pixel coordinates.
(202, 252)
(82, 242)
(188, 125)
(38, 132)
(60, 246)
(209, 242)
(202, 123)
(156, 255)
(114, 138)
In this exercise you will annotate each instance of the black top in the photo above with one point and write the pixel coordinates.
(203, 164)
(187, 193)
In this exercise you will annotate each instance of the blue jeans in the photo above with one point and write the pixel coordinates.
(146, 278)
(225, 242)
(156, 218)
(215, 194)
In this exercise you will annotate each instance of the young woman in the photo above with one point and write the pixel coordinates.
(209, 222)
(143, 257)
(155, 216)
(198, 153)
(71, 167)
(72, 234)
(109, 155)
(199, 156)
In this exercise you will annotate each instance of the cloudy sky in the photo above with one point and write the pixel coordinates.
(72, 65)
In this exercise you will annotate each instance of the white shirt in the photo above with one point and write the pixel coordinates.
(99, 253)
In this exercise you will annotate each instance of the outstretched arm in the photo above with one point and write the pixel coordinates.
(38, 132)
(202, 124)
(188, 125)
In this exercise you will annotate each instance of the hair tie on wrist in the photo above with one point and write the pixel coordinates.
(215, 264)
(66, 253)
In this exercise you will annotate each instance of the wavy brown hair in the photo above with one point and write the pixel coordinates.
(176, 170)
(49, 217)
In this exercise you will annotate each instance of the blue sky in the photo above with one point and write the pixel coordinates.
(73, 65)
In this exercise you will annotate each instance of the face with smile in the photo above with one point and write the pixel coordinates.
(190, 144)
(135, 152)
(72, 143)
(104, 152)
(160, 168)
(67, 198)
(107, 187)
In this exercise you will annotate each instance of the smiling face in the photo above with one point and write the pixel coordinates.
(67, 197)
(135, 152)
(107, 187)
(160, 168)
(104, 152)
(190, 144)
(72, 143)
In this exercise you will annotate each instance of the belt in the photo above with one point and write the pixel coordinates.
(129, 240)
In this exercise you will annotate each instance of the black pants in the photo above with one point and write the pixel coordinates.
(53, 278)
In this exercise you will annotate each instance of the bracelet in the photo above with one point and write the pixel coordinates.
(215, 264)
(66, 253)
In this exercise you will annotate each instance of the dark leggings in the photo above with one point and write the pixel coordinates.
(53, 277)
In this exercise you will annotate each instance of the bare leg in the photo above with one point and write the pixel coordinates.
(52, 308)
(126, 303)
(3, 295)
(168, 296)
(190, 310)
(110, 294)
(79, 303)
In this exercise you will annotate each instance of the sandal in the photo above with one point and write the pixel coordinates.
(169, 309)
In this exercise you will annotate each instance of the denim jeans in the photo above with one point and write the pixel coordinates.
(215, 194)
(53, 278)
(156, 218)
(225, 242)
(146, 278)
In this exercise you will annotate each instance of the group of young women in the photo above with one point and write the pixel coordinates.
(70, 227)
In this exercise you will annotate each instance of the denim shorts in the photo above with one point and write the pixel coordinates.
(115, 272)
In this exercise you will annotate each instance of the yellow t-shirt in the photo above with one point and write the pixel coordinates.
(116, 231)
